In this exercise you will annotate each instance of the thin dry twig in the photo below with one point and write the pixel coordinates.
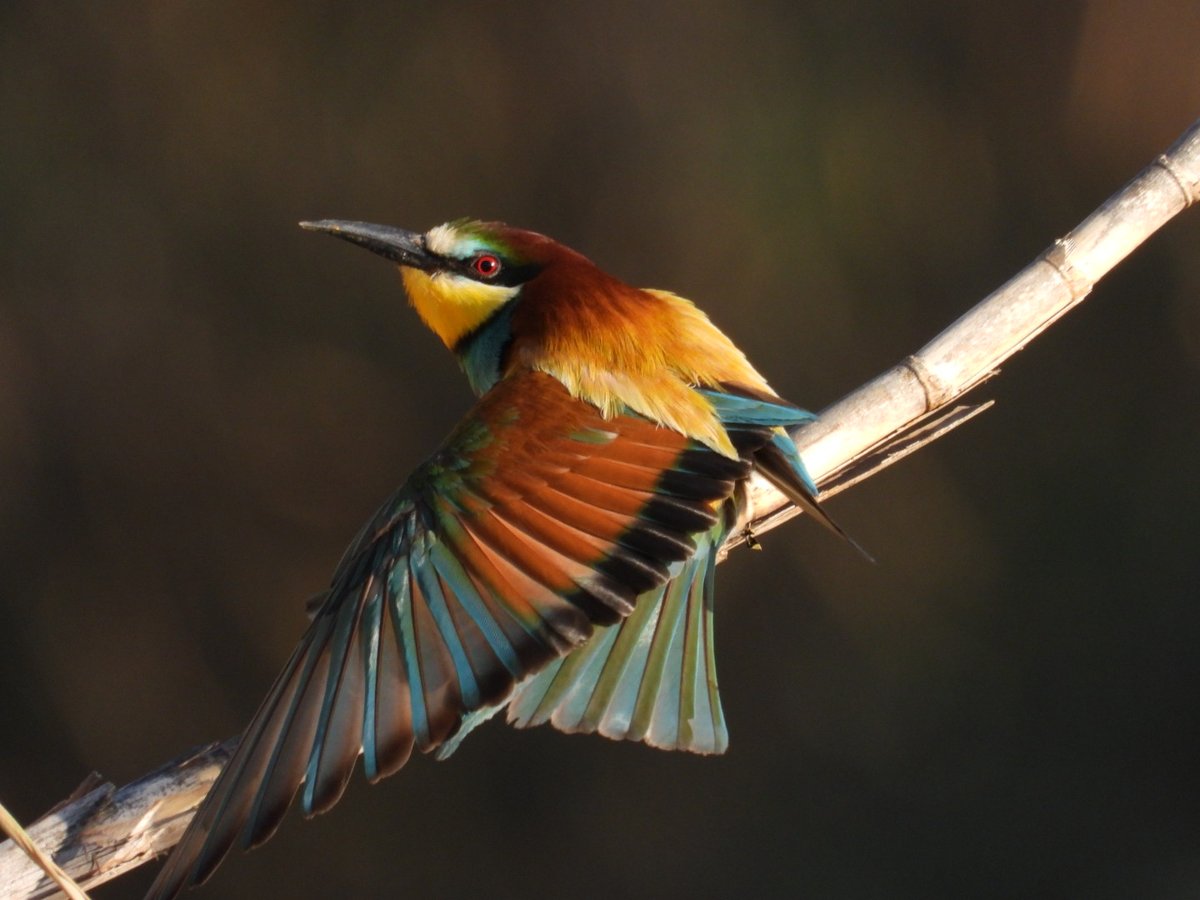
(29, 847)
(108, 831)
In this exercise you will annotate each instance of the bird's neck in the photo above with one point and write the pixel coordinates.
(481, 352)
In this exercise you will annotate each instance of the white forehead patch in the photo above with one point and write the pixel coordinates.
(442, 239)
(448, 241)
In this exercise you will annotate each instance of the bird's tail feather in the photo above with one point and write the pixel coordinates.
(780, 463)
(651, 677)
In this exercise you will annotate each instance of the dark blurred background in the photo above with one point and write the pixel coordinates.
(199, 405)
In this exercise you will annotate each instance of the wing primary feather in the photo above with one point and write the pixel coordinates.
(435, 599)
(484, 567)
(392, 712)
(372, 618)
(292, 745)
(400, 600)
(224, 811)
(492, 677)
(439, 682)
(566, 624)
(338, 737)
(451, 570)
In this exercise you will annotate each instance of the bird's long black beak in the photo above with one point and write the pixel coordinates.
(396, 244)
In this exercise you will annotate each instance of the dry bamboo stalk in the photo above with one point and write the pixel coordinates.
(102, 832)
(866, 424)
(109, 831)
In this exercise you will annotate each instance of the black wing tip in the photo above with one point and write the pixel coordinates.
(682, 518)
(603, 600)
(649, 540)
(716, 467)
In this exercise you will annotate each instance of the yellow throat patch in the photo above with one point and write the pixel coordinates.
(453, 305)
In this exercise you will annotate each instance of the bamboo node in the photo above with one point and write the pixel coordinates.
(1060, 258)
(937, 392)
(1187, 186)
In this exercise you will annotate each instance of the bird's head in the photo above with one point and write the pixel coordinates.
(459, 274)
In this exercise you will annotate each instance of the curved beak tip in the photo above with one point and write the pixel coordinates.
(319, 225)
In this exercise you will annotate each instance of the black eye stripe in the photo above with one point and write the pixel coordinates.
(510, 274)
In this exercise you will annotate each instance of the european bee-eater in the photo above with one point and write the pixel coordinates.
(555, 555)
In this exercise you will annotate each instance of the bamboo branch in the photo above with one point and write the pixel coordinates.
(866, 429)
(100, 832)
(107, 831)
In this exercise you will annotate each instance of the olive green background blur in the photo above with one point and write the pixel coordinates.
(199, 405)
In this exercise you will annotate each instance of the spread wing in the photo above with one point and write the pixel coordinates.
(535, 521)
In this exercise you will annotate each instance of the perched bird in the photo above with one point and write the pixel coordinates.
(555, 556)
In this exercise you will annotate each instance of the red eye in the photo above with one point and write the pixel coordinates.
(486, 265)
